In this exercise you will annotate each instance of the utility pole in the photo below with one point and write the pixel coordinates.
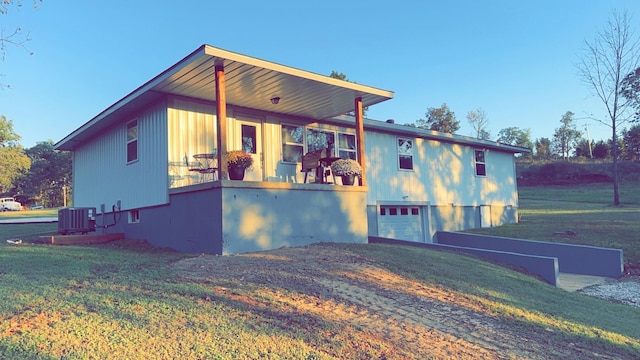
(586, 127)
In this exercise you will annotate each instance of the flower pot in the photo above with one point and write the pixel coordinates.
(236, 172)
(348, 179)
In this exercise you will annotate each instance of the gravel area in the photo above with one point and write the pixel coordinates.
(626, 291)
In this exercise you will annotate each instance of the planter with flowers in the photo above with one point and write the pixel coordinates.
(237, 162)
(348, 169)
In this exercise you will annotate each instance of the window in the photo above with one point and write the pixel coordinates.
(292, 143)
(132, 141)
(320, 140)
(298, 140)
(405, 154)
(481, 169)
(347, 146)
(134, 216)
(249, 139)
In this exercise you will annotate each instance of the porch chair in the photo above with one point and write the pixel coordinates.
(317, 161)
(310, 162)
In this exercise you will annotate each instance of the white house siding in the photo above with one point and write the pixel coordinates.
(101, 174)
(191, 130)
(444, 175)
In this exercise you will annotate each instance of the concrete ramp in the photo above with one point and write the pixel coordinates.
(567, 266)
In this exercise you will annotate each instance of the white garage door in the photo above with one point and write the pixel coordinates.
(401, 223)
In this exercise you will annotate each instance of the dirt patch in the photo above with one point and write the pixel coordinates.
(409, 319)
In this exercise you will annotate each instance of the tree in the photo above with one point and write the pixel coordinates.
(614, 53)
(601, 150)
(50, 173)
(631, 90)
(582, 148)
(516, 137)
(543, 148)
(631, 139)
(13, 161)
(439, 119)
(565, 137)
(478, 121)
(14, 37)
(341, 76)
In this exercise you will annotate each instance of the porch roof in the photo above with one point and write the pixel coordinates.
(250, 82)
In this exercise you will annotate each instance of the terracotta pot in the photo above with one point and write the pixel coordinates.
(236, 172)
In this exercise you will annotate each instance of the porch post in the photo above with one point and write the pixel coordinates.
(221, 113)
(360, 139)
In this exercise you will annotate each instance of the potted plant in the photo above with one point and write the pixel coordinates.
(348, 169)
(237, 162)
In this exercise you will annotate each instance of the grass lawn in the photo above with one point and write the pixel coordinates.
(123, 300)
(586, 210)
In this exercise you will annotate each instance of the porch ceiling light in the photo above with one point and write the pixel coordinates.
(275, 100)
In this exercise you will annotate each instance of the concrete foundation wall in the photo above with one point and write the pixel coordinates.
(574, 259)
(228, 217)
(259, 219)
(191, 223)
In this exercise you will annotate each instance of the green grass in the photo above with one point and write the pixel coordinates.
(586, 210)
(122, 300)
(5, 215)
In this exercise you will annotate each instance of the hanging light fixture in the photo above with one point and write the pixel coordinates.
(275, 100)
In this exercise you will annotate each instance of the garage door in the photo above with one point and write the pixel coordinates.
(401, 223)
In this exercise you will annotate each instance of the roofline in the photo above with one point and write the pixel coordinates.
(132, 95)
(401, 129)
(253, 61)
(208, 50)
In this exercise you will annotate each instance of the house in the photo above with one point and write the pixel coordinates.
(149, 163)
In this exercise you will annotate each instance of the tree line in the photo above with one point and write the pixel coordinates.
(567, 141)
(37, 175)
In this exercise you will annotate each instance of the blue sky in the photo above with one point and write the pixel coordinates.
(514, 59)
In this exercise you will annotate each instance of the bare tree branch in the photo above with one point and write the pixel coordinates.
(605, 61)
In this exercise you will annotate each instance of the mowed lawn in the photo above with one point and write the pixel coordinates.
(585, 212)
(123, 301)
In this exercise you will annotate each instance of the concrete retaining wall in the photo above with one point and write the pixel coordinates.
(574, 259)
(544, 267)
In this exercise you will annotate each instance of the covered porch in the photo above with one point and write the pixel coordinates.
(219, 101)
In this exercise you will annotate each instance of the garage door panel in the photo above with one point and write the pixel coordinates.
(401, 223)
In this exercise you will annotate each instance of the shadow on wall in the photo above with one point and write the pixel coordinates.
(256, 219)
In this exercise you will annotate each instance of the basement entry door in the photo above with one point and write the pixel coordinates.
(401, 223)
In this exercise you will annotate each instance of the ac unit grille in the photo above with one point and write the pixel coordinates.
(76, 220)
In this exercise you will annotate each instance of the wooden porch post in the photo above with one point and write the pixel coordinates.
(360, 139)
(221, 113)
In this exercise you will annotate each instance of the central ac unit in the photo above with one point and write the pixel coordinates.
(76, 220)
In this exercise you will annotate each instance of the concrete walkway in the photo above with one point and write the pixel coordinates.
(575, 282)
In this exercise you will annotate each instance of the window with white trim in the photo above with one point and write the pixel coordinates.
(481, 168)
(292, 143)
(320, 139)
(299, 140)
(132, 141)
(405, 154)
(347, 146)
(134, 216)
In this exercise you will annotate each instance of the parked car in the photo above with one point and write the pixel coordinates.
(9, 204)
